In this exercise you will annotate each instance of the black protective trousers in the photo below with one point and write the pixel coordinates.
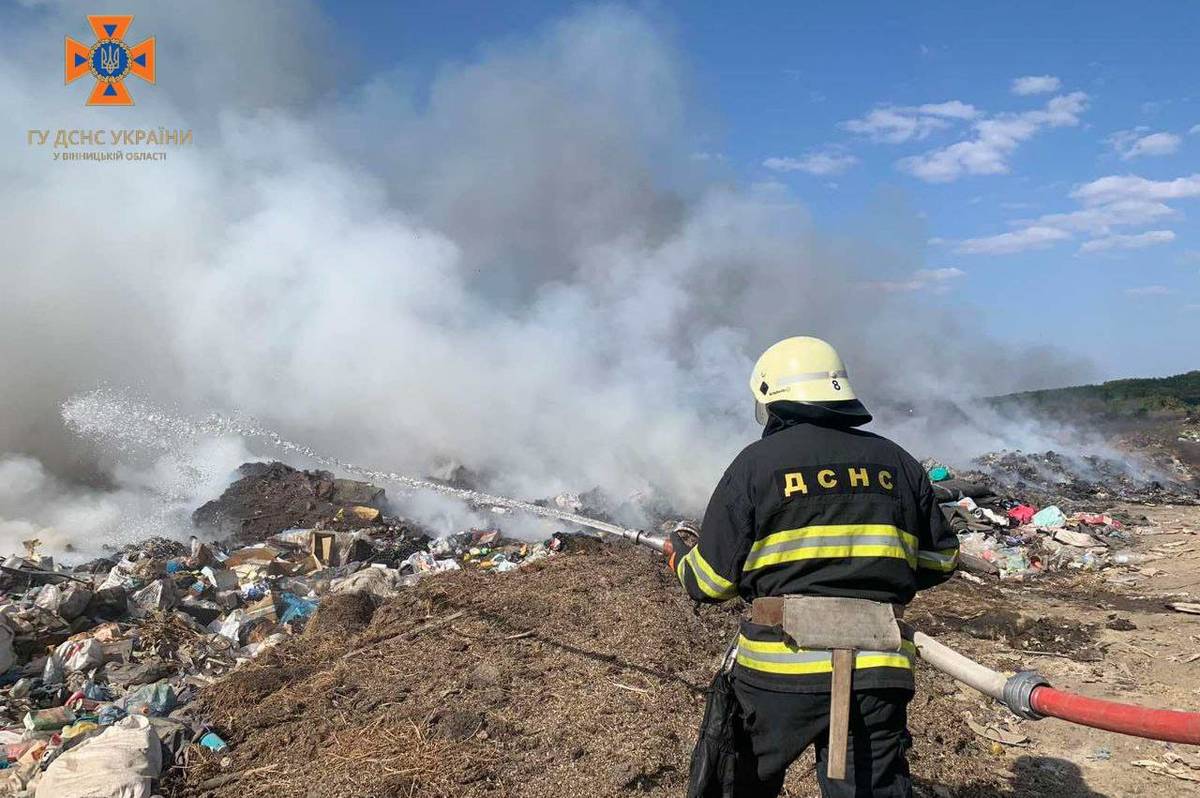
(777, 727)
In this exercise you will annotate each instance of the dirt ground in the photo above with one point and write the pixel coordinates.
(585, 675)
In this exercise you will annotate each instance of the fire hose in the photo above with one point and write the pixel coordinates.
(1030, 696)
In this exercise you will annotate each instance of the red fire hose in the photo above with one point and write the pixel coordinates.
(1030, 696)
(1157, 724)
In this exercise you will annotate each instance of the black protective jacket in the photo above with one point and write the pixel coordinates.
(818, 508)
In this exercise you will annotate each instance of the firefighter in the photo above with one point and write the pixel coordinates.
(817, 507)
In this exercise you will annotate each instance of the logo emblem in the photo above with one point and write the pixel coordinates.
(110, 60)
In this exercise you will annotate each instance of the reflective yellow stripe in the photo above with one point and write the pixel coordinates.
(944, 560)
(713, 584)
(828, 530)
(833, 541)
(782, 658)
(714, 577)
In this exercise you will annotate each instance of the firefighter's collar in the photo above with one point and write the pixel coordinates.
(781, 415)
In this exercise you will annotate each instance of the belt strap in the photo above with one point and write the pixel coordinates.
(768, 610)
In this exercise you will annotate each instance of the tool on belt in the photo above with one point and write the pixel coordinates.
(843, 626)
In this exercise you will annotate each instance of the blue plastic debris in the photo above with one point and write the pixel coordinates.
(213, 742)
(296, 607)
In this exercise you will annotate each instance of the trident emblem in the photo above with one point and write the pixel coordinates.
(110, 60)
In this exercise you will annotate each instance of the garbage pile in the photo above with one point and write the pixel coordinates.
(270, 497)
(99, 662)
(1076, 482)
(1016, 536)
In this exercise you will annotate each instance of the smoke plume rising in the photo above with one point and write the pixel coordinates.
(517, 265)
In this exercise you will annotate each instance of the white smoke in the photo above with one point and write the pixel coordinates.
(518, 266)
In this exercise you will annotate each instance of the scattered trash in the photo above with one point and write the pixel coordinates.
(995, 732)
(122, 761)
(1022, 513)
(150, 699)
(213, 742)
(51, 719)
(103, 659)
(1079, 539)
(1049, 517)
(99, 658)
(1172, 765)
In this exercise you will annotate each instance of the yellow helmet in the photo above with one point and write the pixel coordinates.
(808, 371)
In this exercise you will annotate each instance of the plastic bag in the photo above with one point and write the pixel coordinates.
(158, 595)
(1050, 517)
(68, 601)
(73, 656)
(297, 607)
(121, 575)
(121, 762)
(155, 699)
(230, 626)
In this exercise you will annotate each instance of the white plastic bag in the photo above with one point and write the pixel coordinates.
(73, 656)
(121, 762)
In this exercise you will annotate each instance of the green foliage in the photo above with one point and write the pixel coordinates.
(1165, 396)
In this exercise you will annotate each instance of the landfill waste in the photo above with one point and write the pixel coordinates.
(1050, 517)
(122, 760)
(100, 662)
(271, 497)
(99, 657)
(1073, 483)
(1011, 522)
(939, 474)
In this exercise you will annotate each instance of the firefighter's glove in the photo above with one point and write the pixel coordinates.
(676, 548)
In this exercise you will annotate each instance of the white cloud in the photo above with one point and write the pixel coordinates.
(1100, 219)
(897, 124)
(939, 275)
(1149, 238)
(937, 281)
(1114, 188)
(951, 109)
(995, 139)
(814, 163)
(1131, 144)
(1036, 237)
(1109, 203)
(1036, 84)
(1149, 290)
(1194, 130)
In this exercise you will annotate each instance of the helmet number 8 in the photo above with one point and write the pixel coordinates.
(836, 387)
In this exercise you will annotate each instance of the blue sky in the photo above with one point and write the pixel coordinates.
(1044, 151)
